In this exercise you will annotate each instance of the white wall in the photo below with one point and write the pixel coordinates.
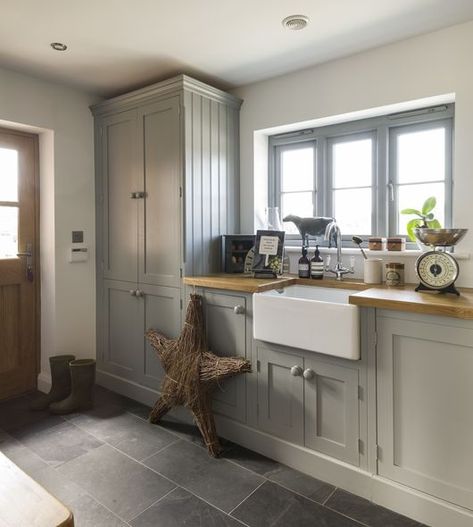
(431, 65)
(61, 117)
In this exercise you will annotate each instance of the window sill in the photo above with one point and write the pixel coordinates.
(414, 253)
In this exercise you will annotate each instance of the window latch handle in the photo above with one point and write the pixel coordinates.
(391, 191)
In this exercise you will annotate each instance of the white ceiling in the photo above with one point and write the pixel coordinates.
(115, 45)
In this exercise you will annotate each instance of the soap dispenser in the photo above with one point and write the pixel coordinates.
(304, 264)
(317, 265)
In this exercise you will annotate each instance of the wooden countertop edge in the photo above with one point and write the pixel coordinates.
(364, 295)
(409, 306)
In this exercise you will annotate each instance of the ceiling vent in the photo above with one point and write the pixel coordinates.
(295, 22)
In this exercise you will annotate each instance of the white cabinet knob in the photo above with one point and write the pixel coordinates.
(308, 373)
(239, 310)
(296, 371)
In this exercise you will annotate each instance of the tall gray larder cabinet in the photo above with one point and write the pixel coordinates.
(167, 187)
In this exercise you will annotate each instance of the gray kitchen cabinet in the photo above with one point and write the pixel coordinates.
(309, 401)
(280, 392)
(166, 190)
(425, 394)
(332, 409)
(226, 323)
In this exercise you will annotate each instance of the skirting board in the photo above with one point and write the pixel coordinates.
(399, 498)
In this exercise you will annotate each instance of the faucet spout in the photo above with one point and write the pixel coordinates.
(333, 233)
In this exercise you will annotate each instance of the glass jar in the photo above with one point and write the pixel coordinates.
(375, 244)
(394, 274)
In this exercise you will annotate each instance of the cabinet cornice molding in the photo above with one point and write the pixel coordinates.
(172, 86)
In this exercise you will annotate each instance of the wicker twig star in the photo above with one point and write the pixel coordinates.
(191, 373)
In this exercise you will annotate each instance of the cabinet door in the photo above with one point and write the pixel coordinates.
(425, 417)
(280, 393)
(160, 210)
(331, 410)
(122, 330)
(226, 334)
(119, 210)
(161, 312)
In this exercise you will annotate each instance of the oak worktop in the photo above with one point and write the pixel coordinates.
(365, 295)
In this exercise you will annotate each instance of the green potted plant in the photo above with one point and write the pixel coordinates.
(425, 218)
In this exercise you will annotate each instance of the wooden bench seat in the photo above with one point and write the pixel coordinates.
(24, 503)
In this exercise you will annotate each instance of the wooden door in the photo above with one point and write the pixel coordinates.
(225, 317)
(160, 203)
(118, 196)
(18, 274)
(280, 393)
(331, 409)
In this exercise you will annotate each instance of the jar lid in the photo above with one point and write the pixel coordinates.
(395, 239)
(374, 239)
(395, 265)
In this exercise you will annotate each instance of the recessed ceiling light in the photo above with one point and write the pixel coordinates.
(295, 22)
(58, 46)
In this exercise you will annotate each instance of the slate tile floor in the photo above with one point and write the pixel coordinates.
(113, 469)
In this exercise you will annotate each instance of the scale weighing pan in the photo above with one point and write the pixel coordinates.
(440, 237)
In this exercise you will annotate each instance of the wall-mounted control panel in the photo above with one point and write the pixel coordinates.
(78, 254)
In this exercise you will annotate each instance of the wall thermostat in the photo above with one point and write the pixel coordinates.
(78, 254)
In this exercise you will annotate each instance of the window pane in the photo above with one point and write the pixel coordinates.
(421, 156)
(8, 174)
(298, 203)
(8, 232)
(352, 163)
(297, 169)
(352, 210)
(413, 197)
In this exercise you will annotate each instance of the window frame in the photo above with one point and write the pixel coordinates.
(381, 129)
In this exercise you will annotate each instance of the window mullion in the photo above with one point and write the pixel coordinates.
(320, 176)
(381, 182)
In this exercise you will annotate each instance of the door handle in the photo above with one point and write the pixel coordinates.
(28, 254)
(239, 310)
(296, 371)
(308, 374)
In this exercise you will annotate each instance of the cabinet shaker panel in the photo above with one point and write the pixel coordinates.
(119, 210)
(160, 207)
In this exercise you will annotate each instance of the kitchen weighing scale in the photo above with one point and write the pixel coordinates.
(437, 269)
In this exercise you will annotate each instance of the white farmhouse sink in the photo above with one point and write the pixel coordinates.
(308, 317)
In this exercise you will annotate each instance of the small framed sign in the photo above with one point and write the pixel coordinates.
(268, 260)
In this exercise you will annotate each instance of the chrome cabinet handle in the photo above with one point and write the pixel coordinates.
(133, 195)
(296, 371)
(132, 292)
(140, 195)
(239, 310)
(308, 374)
(139, 293)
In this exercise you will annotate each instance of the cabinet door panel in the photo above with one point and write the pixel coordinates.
(122, 318)
(331, 410)
(280, 394)
(119, 213)
(161, 312)
(160, 210)
(226, 334)
(425, 421)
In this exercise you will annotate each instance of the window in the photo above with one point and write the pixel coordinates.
(8, 203)
(363, 173)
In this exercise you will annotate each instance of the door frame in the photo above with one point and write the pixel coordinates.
(36, 245)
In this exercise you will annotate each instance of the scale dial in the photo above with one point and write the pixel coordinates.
(437, 270)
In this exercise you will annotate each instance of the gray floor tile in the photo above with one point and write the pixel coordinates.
(292, 479)
(88, 513)
(57, 444)
(124, 486)
(217, 481)
(127, 432)
(367, 512)
(16, 413)
(22, 456)
(183, 508)
(274, 506)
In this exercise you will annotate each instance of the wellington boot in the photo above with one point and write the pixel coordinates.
(82, 389)
(60, 382)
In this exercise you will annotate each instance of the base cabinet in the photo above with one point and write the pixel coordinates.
(226, 320)
(128, 311)
(425, 395)
(309, 401)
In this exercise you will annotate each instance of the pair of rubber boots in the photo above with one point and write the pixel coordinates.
(72, 386)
